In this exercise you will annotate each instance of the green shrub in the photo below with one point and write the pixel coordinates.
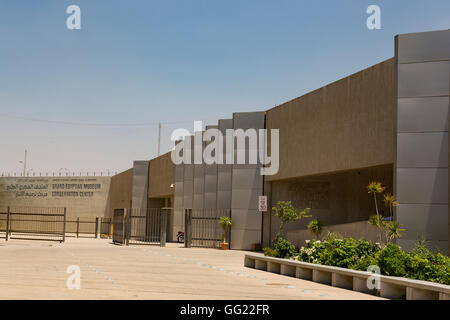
(420, 263)
(423, 264)
(363, 263)
(282, 248)
(270, 252)
(345, 253)
(392, 260)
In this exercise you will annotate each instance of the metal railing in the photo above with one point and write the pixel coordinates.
(82, 227)
(32, 223)
(203, 229)
(3, 222)
(48, 223)
(105, 227)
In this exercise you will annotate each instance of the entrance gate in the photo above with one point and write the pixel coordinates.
(203, 229)
(137, 226)
(119, 226)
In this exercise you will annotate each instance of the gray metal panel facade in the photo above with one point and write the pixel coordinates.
(423, 86)
(178, 211)
(246, 186)
(140, 185)
(188, 180)
(210, 182)
(224, 173)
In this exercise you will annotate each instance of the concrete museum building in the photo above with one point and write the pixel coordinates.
(387, 123)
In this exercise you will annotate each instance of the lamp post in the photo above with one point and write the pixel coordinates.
(24, 163)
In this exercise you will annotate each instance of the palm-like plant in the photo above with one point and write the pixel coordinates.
(390, 202)
(375, 187)
(315, 227)
(394, 230)
(226, 224)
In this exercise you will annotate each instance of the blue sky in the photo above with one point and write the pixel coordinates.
(140, 62)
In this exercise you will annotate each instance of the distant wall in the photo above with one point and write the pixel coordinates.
(84, 197)
(121, 190)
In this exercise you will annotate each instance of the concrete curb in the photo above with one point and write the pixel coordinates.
(390, 287)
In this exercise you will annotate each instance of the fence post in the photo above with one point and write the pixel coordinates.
(7, 224)
(96, 227)
(78, 226)
(124, 220)
(162, 237)
(187, 227)
(127, 226)
(64, 225)
(229, 231)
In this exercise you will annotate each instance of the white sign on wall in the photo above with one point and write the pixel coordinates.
(262, 203)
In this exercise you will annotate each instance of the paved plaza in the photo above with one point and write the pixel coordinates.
(38, 270)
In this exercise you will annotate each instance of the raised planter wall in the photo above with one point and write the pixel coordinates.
(390, 287)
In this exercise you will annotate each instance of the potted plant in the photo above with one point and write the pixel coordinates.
(226, 223)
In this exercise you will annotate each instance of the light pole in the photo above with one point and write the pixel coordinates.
(28, 171)
(24, 163)
(159, 139)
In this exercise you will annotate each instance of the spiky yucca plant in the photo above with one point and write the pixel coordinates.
(315, 227)
(390, 202)
(375, 187)
(394, 230)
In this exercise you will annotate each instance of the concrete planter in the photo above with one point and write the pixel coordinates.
(389, 287)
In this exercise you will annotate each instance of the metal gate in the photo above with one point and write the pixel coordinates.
(203, 229)
(119, 226)
(32, 223)
(137, 226)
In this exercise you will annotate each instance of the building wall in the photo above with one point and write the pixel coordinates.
(161, 177)
(345, 125)
(210, 183)
(356, 230)
(326, 138)
(84, 197)
(423, 81)
(224, 173)
(333, 198)
(188, 179)
(139, 191)
(178, 210)
(198, 200)
(121, 191)
(246, 187)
